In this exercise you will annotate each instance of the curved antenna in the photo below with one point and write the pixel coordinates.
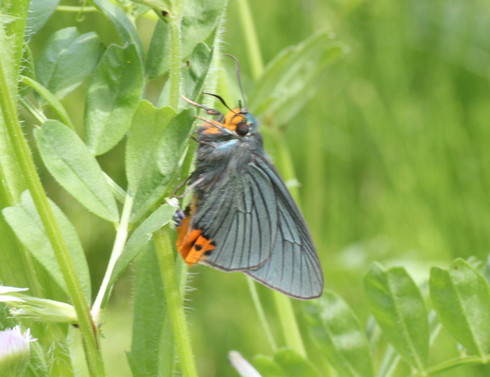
(221, 100)
(237, 66)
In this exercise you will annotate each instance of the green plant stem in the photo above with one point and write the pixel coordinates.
(33, 183)
(117, 249)
(261, 314)
(453, 363)
(252, 45)
(75, 9)
(175, 60)
(284, 307)
(175, 303)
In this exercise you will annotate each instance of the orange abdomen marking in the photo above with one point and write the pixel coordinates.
(191, 244)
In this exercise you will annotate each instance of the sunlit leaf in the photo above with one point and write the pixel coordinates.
(27, 225)
(399, 309)
(338, 334)
(286, 363)
(461, 298)
(164, 139)
(71, 164)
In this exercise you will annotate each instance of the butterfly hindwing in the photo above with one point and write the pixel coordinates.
(293, 267)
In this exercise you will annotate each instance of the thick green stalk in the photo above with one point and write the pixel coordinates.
(175, 303)
(283, 304)
(26, 164)
(175, 61)
(252, 45)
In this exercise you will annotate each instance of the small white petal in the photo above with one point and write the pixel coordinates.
(10, 299)
(243, 367)
(4, 289)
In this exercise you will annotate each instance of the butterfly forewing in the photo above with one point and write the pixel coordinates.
(240, 216)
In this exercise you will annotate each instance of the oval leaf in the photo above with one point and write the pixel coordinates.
(72, 165)
(461, 298)
(112, 98)
(337, 332)
(27, 225)
(146, 184)
(399, 309)
(67, 59)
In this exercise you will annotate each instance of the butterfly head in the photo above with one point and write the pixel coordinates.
(240, 121)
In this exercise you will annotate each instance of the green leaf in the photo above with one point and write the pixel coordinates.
(172, 143)
(146, 184)
(156, 141)
(144, 136)
(199, 20)
(399, 309)
(140, 237)
(461, 298)
(39, 13)
(49, 98)
(112, 98)
(337, 333)
(292, 78)
(286, 363)
(67, 59)
(152, 349)
(26, 224)
(126, 29)
(71, 164)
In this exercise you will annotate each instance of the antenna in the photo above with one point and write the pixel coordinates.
(237, 66)
(221, 100)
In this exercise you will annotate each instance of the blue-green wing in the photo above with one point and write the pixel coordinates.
(239, 214)
(293, 268)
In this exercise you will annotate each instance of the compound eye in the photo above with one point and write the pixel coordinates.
(242, 128)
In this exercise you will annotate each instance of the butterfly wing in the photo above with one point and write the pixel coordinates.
(293, 267)
(239, 214)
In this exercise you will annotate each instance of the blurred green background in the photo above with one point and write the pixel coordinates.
(392, 155)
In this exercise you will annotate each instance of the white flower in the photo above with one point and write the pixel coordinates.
(9, 298)
(14, 351)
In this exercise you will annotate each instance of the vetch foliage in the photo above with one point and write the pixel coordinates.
(144, 132)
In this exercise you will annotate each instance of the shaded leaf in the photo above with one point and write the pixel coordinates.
(199, 20)
(112, 98)
(71, 164)
(338, 334)
(140, 237)
(461, 298)
(399, 309)
(67, 59)
(39, 13)
(27, 225)
(152, 348)
(49, 98)
(126, 29)
(296, 69)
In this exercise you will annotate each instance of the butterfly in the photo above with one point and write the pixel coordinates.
(242, 216)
